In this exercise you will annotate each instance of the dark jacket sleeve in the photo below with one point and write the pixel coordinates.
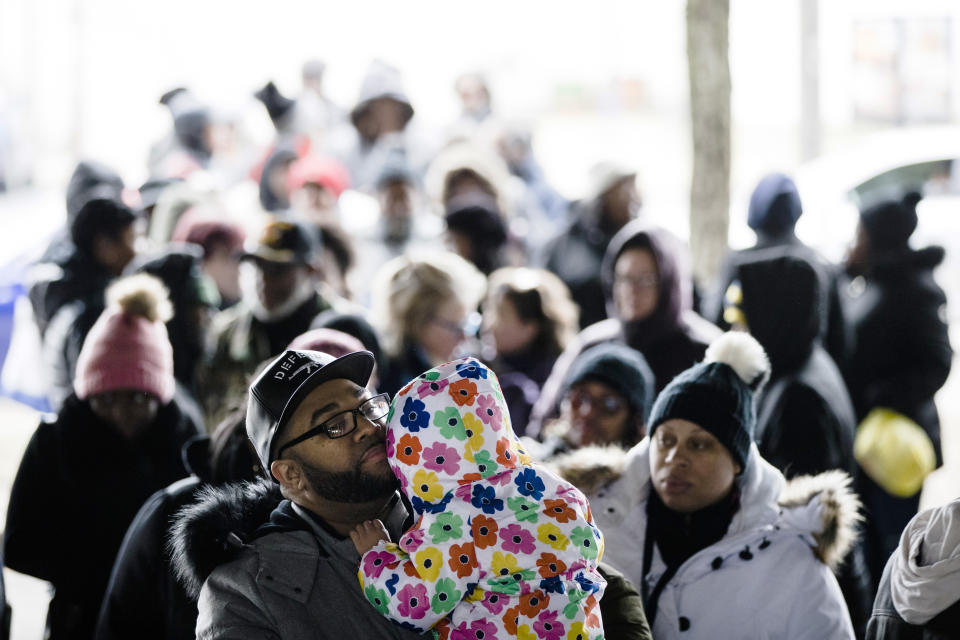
(34, 545)
(885, 623)
(139, 601)
(622, 608)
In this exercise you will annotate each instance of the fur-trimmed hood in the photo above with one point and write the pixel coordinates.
(823, 506)
(210, 531)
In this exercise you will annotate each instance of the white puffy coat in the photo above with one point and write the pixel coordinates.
(768, 577)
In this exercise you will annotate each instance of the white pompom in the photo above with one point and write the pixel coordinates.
(744, 354)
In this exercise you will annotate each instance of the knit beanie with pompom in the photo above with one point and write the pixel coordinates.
(128, 348)
(718, 394)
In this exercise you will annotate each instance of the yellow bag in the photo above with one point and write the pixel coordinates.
(894, 451)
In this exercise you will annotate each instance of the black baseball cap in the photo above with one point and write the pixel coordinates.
(280, 388)
(284, 241)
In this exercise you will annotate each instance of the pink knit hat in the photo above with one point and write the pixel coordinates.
(128, 346)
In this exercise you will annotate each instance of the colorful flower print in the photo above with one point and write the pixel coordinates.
(485, 463)
(440, 457)
(450, 425)
(485, 499)
(474, 435)
(525, 510)
(505, 454)
(533, 603)
(463, 392)
(548, 627)
(472, 369)
(445, 597)
(412, 540)
(493, 602)
(586, 584)
(550, 565)
(575, 597)
(429, 388)
(510, 619)
(478, 630)
(516, 539)
(469, 478)
(530, 484)
(375, 562)
(489, 412)
(422, 507)
(551, 534)
(413, 601)
(592, 607)
(462, 559)
(427, 486)
(585, 541)
(448, 526)
(524, 633)
(408, 449)
(504, 564)
(378, 598)
(559, 511)
(484, 531)
(429, 562)
(576, 632)
(552, 585)
(504, 584)
(391, 584)
(415, 416)
(391, 441)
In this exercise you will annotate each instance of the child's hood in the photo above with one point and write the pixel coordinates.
(449, 427)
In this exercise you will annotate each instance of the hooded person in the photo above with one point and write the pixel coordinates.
(501, 547)
(775, 207)
(144, 599)
(805, 419)
(705, 527)
(919, 595)
(648, 292)
(902, 355)
(115, 441)
(189, 149)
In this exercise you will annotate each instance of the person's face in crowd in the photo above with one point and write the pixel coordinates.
(441, 334)
(277, 180)
(129, 411)
(621, 202)
(473, 95)
(467, 181)
(597, 414)
(349, 469)
(222, 264)
(389, 115)
(396, 200)
(509, 331)
(636, 284)
(116, 252)
(277, 281)
(318, 202)
(689, 467)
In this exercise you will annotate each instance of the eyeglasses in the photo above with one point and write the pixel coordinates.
(583, 402)
(344, 423)
(469, 326)
(642, 281)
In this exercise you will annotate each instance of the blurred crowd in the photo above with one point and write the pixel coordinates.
(156, 306)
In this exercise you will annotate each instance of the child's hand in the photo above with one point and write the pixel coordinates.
(367, 534)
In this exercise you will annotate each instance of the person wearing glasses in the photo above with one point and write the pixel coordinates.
(274, 559)
(426, 307)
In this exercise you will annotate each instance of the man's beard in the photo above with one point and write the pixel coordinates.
(350, 486)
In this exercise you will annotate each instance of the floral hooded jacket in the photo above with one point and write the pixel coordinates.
(502, 548)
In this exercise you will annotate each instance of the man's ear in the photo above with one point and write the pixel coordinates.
(287, 472)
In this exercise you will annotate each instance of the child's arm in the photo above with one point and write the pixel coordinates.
(367, 534)
(419, 581)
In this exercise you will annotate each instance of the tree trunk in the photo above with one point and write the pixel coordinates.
(709, 71)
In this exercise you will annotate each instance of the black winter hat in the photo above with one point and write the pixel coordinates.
(718, 394)
(621, 368)
(101, 215)
(890, 224)
(91, 180)
(277, 104)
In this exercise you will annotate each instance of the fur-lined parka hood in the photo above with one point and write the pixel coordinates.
(210, 531)
(823, 506)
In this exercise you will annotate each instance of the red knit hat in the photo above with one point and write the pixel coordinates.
(128, 346)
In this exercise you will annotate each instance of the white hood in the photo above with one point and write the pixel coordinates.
(925, 575)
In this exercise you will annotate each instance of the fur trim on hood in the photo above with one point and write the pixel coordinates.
(823, 505)
(210, 531)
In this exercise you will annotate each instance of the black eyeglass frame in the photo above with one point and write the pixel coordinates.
(362, 409)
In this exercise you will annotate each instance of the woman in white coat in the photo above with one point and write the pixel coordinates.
(717, 541)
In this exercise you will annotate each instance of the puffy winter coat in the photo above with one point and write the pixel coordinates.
(500, 546)
(919, 595)
(768, 577)
(78, 487)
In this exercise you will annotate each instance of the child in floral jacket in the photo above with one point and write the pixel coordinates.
(502, 548)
